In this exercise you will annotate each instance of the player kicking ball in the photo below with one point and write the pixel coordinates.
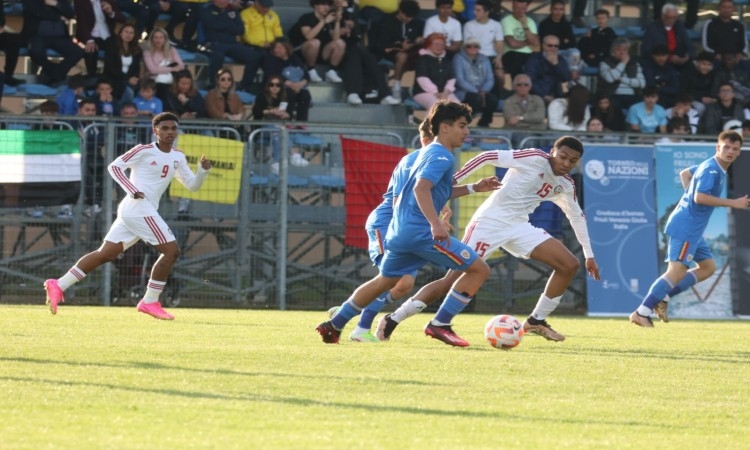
(152, 167)
(502, 221)
(703, 185)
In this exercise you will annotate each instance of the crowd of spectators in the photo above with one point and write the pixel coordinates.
(540, 75)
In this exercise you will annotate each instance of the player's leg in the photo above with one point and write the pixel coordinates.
(679, 256)
(362, 332)
(154, 231)
(705, 267)
(115, 242)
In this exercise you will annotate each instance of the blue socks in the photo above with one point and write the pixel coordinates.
(345, 314)
(658, 291)
(372, 310)
(453, 304)
(685, 283)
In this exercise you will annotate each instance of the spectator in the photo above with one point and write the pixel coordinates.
(570, 113)
(106, 104)
(659, 72)
(698, 79)
(148, 104)
(223, 27)
(612, 118)
(50, 109)
(691, 16)
(222, 102)
(579, 9)
(723, 34)
(131, 131)
(489, 33)
(523, 110)
(44, 29)
(474, 81)
(717, 114)
(746, 128)
(729, 72)
(281, 61)
(176, 10)
(620, 76)
(139, 12)
(399, 39)
(557, 25)
(595, 124)
(374, 12)
(262, 25)
(647, 116)
(435, 79)
(670, 33)
(444, 23)
(122, 63)
(93, 145)
(520, 36)
(10, 44)
(317, 35)
(548, 71)
(597, 43)
(68, 99)
(184, 100)
(161, 60)
(683, 108)
(271, 106)
(95, 26)
(677, 127)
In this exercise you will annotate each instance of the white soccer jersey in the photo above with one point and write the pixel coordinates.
(151, 171)
(529, 182)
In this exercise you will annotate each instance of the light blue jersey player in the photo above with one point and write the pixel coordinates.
(376, 227)
(417, 235)
(704, 184)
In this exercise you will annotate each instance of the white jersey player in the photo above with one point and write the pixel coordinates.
(152, 167)
(503, 221)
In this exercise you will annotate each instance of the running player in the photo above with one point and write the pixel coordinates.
(503, 221)
(152, 167)
(416, 234)
(703, 184)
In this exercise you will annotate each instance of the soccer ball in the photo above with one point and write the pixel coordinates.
(503, 332)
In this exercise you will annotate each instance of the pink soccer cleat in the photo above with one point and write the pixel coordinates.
(54, 294)
(154, 310)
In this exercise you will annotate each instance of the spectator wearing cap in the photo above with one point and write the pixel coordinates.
(647, 116)
(670, 33)
(475, 80)
(262, 24)
(717, 114)
(435, 77)
(660, 73)
(548, 71)
(520, 38)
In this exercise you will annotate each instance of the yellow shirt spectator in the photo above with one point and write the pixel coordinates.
(261, 24)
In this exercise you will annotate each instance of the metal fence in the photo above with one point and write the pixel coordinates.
(267, 230)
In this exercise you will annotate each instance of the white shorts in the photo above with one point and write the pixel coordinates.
(152, 230)
(518, 239)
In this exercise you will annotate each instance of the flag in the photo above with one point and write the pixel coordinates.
(223, 182)
(39, 168)
(368, 167)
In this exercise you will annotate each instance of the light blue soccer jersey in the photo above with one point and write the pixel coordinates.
(380, 217)
(409, 227)
(689, 220)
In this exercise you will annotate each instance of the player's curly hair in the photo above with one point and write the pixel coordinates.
(446, 111)
(159, 118)
(570, 142)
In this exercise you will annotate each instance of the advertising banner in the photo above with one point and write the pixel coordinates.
(741, 187)
(619, 204)
(711, 297)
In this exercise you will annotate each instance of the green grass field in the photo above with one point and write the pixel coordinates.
(110, 378)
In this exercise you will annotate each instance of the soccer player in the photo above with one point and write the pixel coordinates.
(503, 221)
(703, 186)
(377, 226)
(152, 167)
(416, 235)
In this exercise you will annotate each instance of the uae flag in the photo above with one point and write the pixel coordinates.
(39, 168)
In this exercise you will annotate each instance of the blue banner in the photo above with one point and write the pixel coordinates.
(711, 297)
(619, 204)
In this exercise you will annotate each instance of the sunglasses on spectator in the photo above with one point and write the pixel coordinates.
(472, 46)
(274, 84)
(552, 45)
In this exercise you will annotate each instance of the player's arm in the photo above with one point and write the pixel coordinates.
(710, 200)
(193, 181)
(423, 195)
(569, 204)
(484, 185)
(117, 170)
(686, 175)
